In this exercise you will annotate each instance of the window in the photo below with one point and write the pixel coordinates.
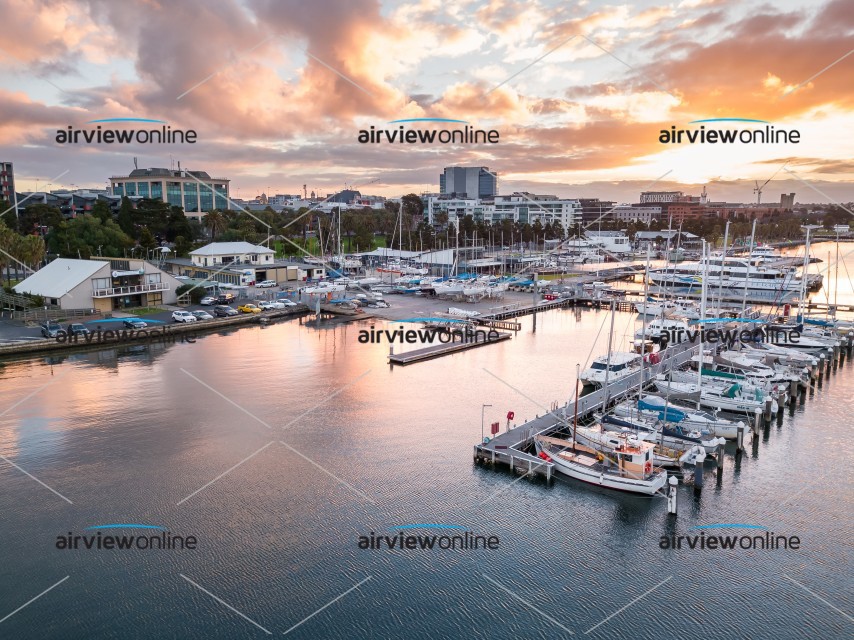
(173, 194)
(206, 199)
(142, 189)
(101, 283)
(191, 196)
(152, 278)
(157, 190)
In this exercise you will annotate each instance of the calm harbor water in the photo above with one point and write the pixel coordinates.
(126, 434)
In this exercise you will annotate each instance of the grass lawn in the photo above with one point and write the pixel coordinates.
(144, 311)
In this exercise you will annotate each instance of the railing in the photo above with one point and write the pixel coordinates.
(135, 288)
(40, 315)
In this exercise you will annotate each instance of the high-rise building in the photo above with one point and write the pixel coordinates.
(7, 182)
(468, 182)
(787, 201)
(195, 191)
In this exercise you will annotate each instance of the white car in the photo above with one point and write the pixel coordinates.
(208, 301)
(183, 316)
(202, 315)
(288, 303)
(265, 284)
(274, 304)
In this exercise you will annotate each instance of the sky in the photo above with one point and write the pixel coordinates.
(277, 92)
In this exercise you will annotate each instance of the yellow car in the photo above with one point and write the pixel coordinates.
(248, 308)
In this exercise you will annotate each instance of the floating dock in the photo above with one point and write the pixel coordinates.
(437, 350)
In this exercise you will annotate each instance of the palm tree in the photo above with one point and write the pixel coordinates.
(215, 222)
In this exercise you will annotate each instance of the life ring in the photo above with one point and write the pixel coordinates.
(647, 467)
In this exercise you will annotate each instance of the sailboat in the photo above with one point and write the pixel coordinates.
(628, 467)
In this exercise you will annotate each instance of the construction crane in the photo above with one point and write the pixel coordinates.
(758, 189)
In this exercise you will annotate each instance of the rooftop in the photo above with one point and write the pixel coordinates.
(229, 248)
(59, 277)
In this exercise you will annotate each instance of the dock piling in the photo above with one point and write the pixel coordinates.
(698, 469)
(739, 440)
(671, 495)
(757, 420)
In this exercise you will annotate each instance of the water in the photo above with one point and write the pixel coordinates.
(125, 435)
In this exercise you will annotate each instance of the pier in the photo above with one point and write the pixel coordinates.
(437, 350)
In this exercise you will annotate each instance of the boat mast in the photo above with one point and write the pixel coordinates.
(723, 267)
(801, 305)
(704, 293)
(747, 272)
(836, 277)
(608, 363)
(643, 328)
(575, 412)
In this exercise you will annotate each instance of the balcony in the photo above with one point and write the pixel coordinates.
(130, 290)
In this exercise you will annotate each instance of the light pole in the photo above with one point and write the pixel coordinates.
(482, 410)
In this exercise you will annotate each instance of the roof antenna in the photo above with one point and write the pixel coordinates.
(135, 165)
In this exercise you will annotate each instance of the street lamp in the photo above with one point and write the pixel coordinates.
(482, 409)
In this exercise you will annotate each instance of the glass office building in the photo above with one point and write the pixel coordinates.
(196, 191)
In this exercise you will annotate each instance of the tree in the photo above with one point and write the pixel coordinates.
(101, 210)
(215, 222)
(84, 234)
(182, 246)
(125, 217)
(177, 225)
(146, 239)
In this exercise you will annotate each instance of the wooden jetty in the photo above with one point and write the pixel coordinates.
(437, 350)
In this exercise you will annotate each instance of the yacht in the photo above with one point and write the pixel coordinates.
(733, 273)
(619, 365)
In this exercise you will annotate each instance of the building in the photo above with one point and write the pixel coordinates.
(241, 264)
(637, 214)
(521, 207)
(661, 196)
(594, 209)
(7, 184)
(195, 191)
(219, 253)
(524, 207)
(468, 182)
(611, 242)
(103, 284)
(787, 201)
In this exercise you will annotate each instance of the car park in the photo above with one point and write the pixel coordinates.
(50, 329)
(223, 311)
(201, 314)
(249, 308)
(78, 329)
(208, 301)
(264, 284)
(183, 316)
(134, 323)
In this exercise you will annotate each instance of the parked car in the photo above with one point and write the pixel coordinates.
(202, 315)
(50, 329)
(223, 311)
(272, 304)
(264, 284)
(287, 303)
(134, 323)
(225, 298)
(78, 329)
(248, 308)
(208, 301)
(183, 316)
